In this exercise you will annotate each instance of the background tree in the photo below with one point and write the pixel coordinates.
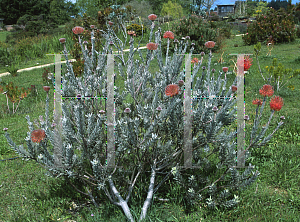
(260, 9)
(91, 7)
(172, 9)
(142, 9)
(278, 4)
(208, 4)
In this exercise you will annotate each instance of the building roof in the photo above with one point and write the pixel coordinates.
(227, 5)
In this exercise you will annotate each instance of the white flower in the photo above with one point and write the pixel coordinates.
(191, 190)
(192, 177)
(174, 170)
(209, 199)
(154, 136)
(69, 146)
(89, 115)
(40, 156)
(236, 198)
(94, 162)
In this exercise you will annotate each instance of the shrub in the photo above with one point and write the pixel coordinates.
(277, 24)
(199, 32)
(173, 9)
(137, 29)
(298, 31)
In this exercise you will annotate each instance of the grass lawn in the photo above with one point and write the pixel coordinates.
(29, 195)
(3, 35)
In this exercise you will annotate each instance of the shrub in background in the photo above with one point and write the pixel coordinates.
(278, 24)
(141, 8)
(199, 32)
(172, 9)
(138, 29)
(14, 94)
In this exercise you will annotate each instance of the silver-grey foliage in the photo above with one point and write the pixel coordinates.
(148, 141)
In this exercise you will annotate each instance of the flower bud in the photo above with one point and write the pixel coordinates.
(215, 109)
(203, 67)
(180, 83)
(92, 26)
(246, 117)
(62, 40)
(202, 53)
(46, 88)
(282, 118)
(102, 111)
(159, 108)
(5, 129)
(233, 88)
(213, 70)
(127, 110)
(225, 69)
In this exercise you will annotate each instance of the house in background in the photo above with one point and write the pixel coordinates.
(239, 7)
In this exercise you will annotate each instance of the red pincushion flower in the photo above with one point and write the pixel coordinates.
(257, 102)
(266, 90)
(233, 88)
(276, 103)
(195, 60)
(169, 34)
(46, 88)
(151, 46)
(172, 90)
(152, 17)
(38, 135)
(210, 44)
(225, 69)
(77, 30)
(247, 63)
(62, 40)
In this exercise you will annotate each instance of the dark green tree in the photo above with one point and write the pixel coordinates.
(12, 10)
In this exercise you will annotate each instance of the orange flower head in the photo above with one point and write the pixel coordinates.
(152, 17)
(172, 90)
(46, 88)
(151, 46)
(276, 103)
(169, 34)
(234, 88)
(195, 60)
(266, 90)
(247, 63)
(38, 135)
(257, 102)
(225, 69)
(77, 30)
(210, 44)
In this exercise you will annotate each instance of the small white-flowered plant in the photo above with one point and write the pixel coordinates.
(174, 171)
(191, 190)
(40, 156)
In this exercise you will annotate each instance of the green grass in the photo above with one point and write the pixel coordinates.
(28, 195)
(3, 35)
